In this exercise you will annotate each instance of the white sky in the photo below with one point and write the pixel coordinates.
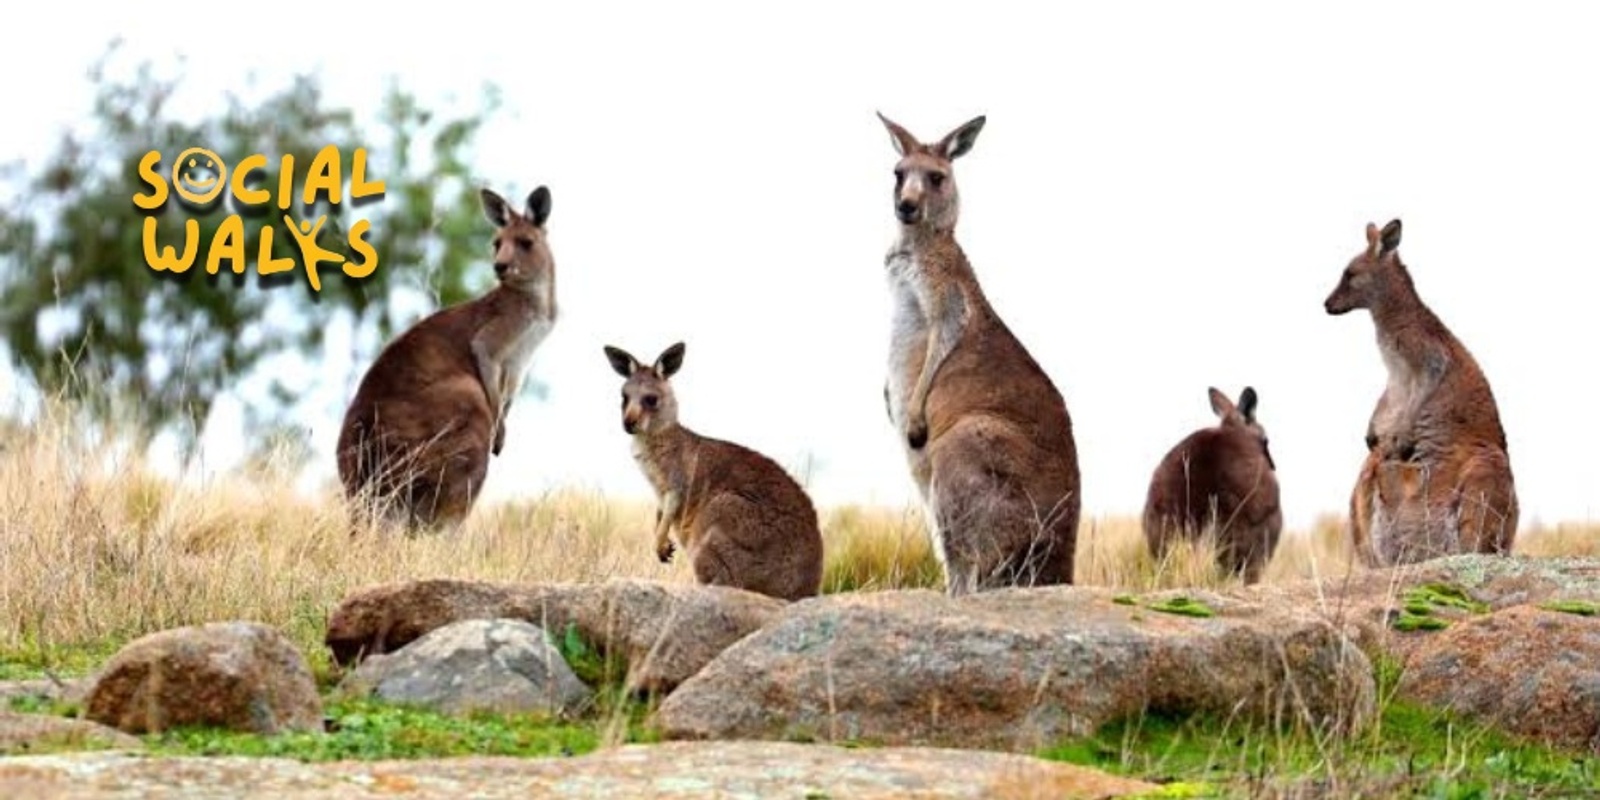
(1162, 198)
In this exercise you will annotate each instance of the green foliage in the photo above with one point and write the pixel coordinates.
(1412, 751)
(1124, 600)
(84, 315)
(1185, 606)
(1582, 608)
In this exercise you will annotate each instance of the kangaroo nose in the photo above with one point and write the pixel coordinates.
(630, 426)
(500, 268)
(906, 210)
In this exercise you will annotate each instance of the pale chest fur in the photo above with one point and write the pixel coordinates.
(654, 467)
(1404, 387)
(908, 328)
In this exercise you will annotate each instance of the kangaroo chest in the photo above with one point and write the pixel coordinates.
(908, 329)
(522, 347)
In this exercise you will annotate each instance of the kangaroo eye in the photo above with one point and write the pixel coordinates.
(936, 179)
(899, 176)
(495, 243)
(525, 243)
(650, 401)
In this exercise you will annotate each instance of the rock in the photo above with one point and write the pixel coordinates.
(42, 733)
(1368, 604)
(672, 770)
(500, 665)
(242, 676)
(1526, 670)
(663, 632)
(1017, 668)
(67, 690)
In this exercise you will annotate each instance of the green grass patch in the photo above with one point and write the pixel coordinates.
(1124, 600)
(1582, 608)
(1409, 752)
(368, 730)
(1186, 606)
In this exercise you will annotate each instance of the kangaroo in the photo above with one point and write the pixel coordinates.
(1222, 476)
(742, 520)
(985, 433)
(432, 407)
(1437, 476)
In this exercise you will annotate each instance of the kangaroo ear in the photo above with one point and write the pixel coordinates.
(1247, 403)
(1220, 404)
(956, 143)
(670, 360)
(1390, 237)
(539, 206)
(495, 208)
(621, 361)
(904, 142)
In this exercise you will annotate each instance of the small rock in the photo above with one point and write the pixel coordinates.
(1017, 668)
(243, 676)
(1525, 669)
(37, 733)
(501, 665)
(664, 632)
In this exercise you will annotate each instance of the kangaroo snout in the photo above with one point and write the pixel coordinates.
(500, 268)
(630, 425)
(906, 210)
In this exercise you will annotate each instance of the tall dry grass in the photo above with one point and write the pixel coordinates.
(97, 549)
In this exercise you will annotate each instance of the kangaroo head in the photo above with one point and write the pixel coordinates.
(648, 405)
(521, 254)
(1241, 417)
(1373, 275)
(924, 185)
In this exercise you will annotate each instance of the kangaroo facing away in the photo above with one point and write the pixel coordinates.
(1220, 478)
(417, 437)
(743, 521)
(985, 432)
(1437, 476)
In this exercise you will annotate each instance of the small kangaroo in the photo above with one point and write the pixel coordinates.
(986, 434)
(432, 407)
(1437, 476)
(742, 519)
(1222, 475)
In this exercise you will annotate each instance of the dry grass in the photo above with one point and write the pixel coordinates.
(95, 549)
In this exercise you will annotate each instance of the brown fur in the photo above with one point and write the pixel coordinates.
(987, 436)
(1223, 478)
(742, 519)
(1437, 478)
(417, 437)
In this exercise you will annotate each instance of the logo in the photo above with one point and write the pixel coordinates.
(198, 179)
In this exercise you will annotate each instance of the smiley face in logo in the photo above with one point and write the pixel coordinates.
(198, 175)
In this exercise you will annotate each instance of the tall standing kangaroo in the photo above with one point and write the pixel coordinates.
(1221, 476)
(986, 434)
(742, 519)
(1437, 476)
(417, 437)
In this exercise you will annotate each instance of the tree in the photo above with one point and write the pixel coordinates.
(84, 315)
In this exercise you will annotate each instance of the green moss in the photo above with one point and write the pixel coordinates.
(1408, 622)
(1443, 595)
(1580, 607)
(1124, 600)
(1186, 606)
